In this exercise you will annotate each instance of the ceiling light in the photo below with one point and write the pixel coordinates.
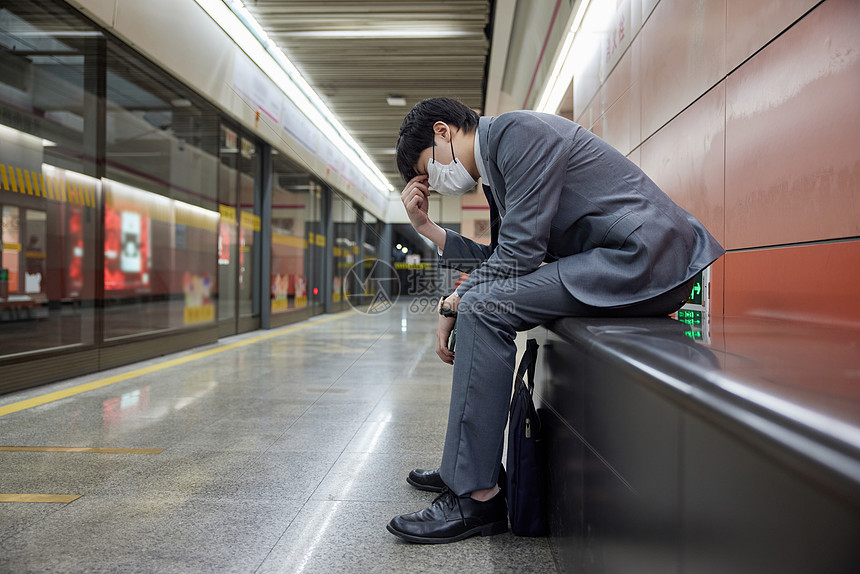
(579, 47)
(398, 32)
(180, 103)
(396, 100)
(241, 26)
(557, 84)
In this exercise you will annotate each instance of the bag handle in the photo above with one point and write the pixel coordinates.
(528, 362)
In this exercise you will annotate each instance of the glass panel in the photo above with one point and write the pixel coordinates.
(292, 207)
(316, 243)
(345, 247)
(249, 226)
(372, 236)
(49, 208)
(161, 218)
(159, 268)
(160, 137)
(239, 230)
(228, 233)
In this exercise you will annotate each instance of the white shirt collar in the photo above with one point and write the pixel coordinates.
(479, 161)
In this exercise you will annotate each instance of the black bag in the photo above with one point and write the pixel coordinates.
(526, 464)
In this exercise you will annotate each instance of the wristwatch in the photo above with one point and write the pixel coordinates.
(445, 312)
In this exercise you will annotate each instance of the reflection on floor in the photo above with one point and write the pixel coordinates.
(287, 454)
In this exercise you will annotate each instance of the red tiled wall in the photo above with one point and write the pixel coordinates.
(747, 114)
(809, 282)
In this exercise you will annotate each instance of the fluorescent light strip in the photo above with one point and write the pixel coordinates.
(562, 74)
(587, 29)
(354, 151)
(364, 160)
(383, 33)
(252, 39)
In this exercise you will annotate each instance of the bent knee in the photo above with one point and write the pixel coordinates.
(486, 306)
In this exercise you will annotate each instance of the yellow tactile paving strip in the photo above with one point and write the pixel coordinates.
(64, 498)
(57, 395)
(81, 449)
(61, 498)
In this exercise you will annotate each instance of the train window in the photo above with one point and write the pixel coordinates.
(48, 194)
(294, 249)
(345, 250)
(161, 214)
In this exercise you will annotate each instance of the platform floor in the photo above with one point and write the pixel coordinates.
(283, 451)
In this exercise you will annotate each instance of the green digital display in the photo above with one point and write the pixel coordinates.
(690, 317)
(696, 293)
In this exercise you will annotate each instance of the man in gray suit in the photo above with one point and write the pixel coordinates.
(578, 230)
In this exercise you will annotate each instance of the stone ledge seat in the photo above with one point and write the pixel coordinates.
(730, 447)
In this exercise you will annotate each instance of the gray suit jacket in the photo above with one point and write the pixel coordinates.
(564, 194)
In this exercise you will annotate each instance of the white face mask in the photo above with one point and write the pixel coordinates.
(451, 179)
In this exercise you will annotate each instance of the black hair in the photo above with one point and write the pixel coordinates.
(416, 131)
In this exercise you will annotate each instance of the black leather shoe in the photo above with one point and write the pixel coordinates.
(428, 480)
(451, 518)
(431, 481)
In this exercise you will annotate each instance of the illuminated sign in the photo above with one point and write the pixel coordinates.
(695, 297)
(690, 317)
(694, 319)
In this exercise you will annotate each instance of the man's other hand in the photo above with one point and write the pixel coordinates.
(443, 333)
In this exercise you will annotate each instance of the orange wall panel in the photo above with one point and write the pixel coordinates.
(622, 101)
(751, 25)
(809, 282)
(793, 134)
(648, 7)
(762, 149)
(683, 55)
(619, 81)
(616, 123)
(685, 159)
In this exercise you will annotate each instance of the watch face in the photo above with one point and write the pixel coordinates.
(445, 312)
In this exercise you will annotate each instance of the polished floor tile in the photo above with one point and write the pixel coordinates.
(377, 477)
(333, 536)
(170, 533)
(288, 454)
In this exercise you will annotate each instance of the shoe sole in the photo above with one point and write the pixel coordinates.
(425, 487)
(485, 530)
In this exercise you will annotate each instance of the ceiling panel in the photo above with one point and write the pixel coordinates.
(355, 54)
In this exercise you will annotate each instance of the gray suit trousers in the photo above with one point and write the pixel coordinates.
(490, 314)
